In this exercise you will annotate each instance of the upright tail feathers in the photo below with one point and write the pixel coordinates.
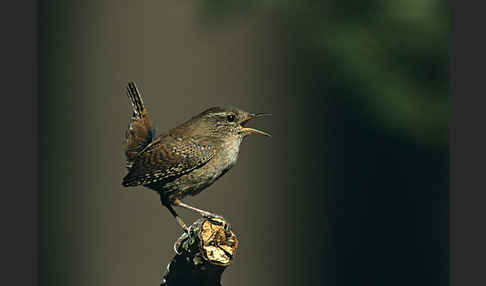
(140, 132)
(136, 100)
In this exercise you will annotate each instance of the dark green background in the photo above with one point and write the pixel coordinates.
(351, 190)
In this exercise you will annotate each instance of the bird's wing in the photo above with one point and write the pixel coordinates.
(168, 157)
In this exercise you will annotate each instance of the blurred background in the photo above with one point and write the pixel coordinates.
(351, 190)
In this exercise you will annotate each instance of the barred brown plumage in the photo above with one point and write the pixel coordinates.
(167, 157)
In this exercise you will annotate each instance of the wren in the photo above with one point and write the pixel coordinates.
(186, 159)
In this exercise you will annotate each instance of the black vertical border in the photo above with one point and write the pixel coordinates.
(18, 135)
(468, 144)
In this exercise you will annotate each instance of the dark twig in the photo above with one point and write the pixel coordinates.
(203, 253)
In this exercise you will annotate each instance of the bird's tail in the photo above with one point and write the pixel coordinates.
(140, 132)
(136, 100)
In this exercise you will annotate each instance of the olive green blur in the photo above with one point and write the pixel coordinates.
(352, 189)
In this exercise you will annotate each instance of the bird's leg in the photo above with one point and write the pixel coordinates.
(203, 213)
(173, 212)
(178, 218)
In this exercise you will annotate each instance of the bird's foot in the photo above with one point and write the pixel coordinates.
(206, 214)
(214, 218)
(217, 220)
(209, 215)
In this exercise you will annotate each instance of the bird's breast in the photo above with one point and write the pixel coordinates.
(224, 160)
(229, 153)
(195, 181)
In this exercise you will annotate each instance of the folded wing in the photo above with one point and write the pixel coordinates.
(168, 157)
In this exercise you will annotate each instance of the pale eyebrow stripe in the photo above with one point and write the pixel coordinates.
(219, 114)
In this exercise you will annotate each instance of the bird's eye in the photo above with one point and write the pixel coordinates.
(230, 118)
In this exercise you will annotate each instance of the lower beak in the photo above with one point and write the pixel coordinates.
(256, 131)
(248, 130)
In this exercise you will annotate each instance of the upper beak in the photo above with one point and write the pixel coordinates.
(248, 130)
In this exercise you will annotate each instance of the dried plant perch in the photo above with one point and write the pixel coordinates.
(202, 254)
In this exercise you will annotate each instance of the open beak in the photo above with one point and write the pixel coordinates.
(248, 130)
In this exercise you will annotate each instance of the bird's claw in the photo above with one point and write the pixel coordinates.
(220, 221)
(209, 215)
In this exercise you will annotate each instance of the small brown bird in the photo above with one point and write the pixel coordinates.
(186, 159)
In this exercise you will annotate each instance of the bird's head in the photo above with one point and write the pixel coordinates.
(226, 122)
